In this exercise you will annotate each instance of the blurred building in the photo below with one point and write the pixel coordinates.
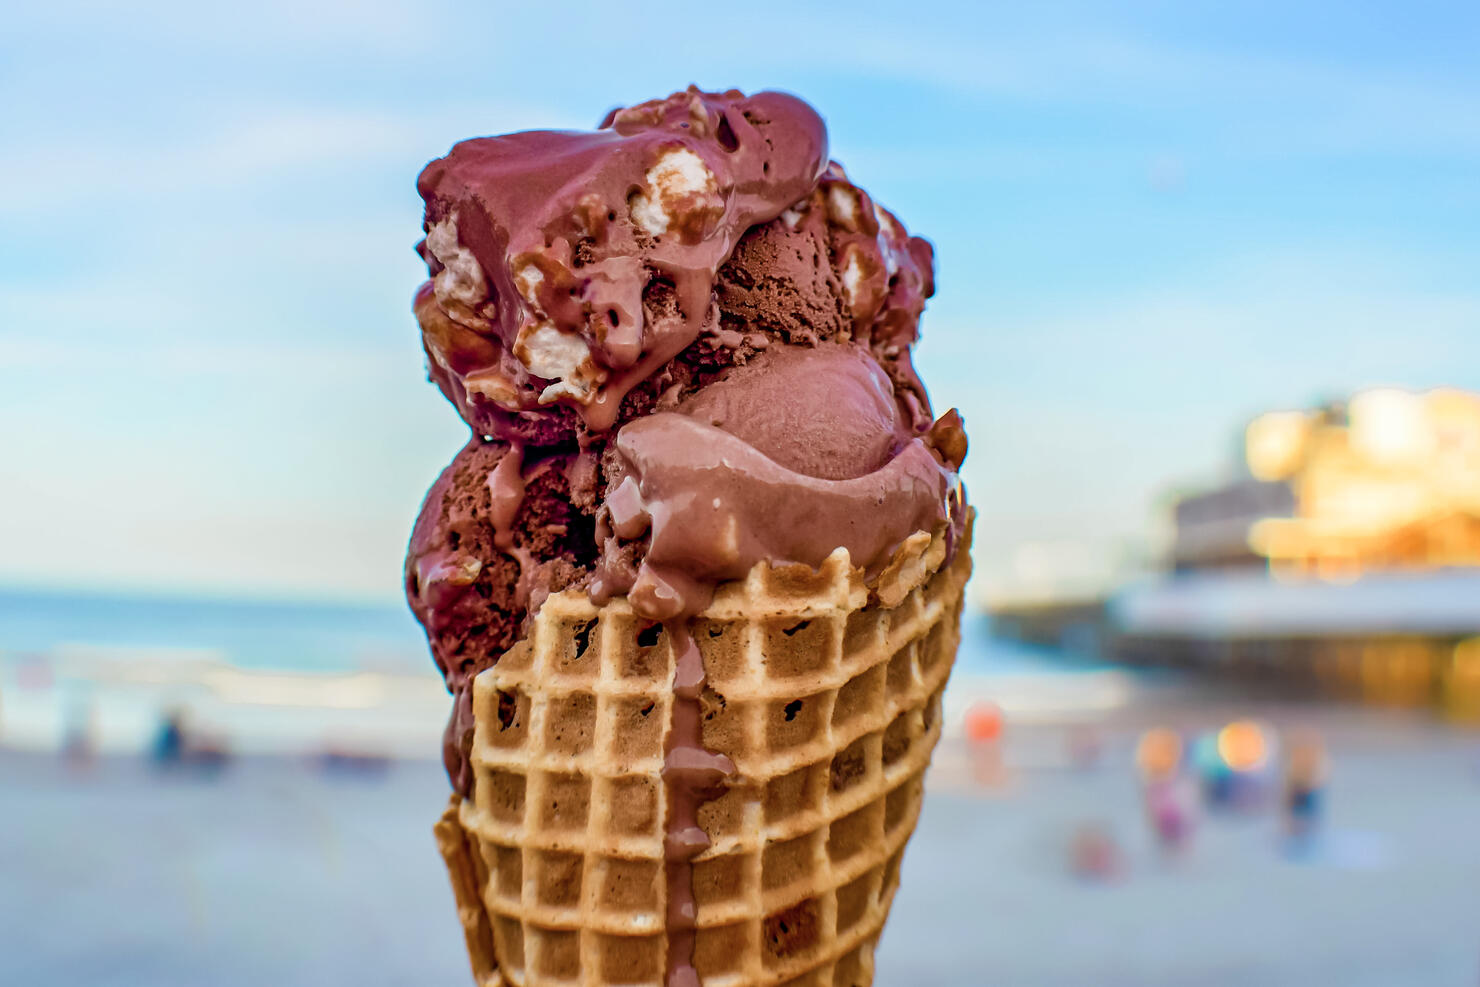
(1212, 528)
(1393, 484)
(1377, 501)
(1388, 481)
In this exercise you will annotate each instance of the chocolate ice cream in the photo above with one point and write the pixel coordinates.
(682, 343)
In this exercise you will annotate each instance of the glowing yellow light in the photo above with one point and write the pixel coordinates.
(1394, 483)
(1275, 443)
(1390, 427)
(1243, 746)
(1462, 682)
(1158, 753)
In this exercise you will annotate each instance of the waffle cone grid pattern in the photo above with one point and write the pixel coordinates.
(827, 703)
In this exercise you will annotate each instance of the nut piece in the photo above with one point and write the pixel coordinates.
(451, 346)
(682, 195)
(913, 562)
(528, 280)
(442, 577)
(495, 387)
(460, 286)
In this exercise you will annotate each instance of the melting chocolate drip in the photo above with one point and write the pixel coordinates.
(457, 740)
(693, 775)
(506, 485)
(505, 494)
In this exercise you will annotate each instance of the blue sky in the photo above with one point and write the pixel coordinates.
(1151, 222)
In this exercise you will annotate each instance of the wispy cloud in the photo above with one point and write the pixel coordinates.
(383, 25)
(1245, 101)
(38, 178)
(264, 145)
(208, 357)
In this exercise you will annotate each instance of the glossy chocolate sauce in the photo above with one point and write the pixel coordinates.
(506, 484)
(691, 775)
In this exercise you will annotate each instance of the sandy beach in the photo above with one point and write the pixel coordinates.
(279, 871)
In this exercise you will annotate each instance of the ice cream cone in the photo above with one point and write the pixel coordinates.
(824, 692)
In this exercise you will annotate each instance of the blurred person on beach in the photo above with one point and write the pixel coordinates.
(169, 740)
(1094, 853)
(1235, 765)
(984, 726)
(1167, 794)
(177, 744)
(1306, 769)
(80, 734)
(1085, 747)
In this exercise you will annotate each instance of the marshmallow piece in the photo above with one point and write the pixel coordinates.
(548, 352)
(852, 278)
(890, 238)
(681, 184)
(842, 206)
(864, 286)
(562, 357)
(460, 284)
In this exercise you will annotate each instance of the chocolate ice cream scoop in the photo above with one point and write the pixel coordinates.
(785, 460)
(827, 411)
(547, 240)
(570, 269)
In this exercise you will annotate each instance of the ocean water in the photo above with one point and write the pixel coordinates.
(248, 634)
(104, 670)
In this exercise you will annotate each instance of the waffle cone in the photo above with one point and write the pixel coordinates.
(824, 693)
